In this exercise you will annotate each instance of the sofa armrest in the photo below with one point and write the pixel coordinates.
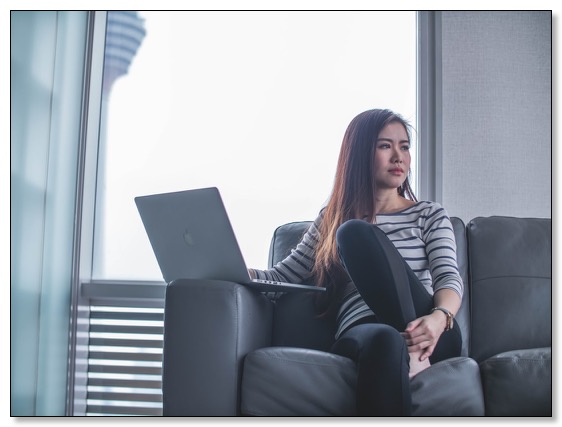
(209, 327)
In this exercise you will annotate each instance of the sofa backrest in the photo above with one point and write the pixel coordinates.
(285, 238)
(510, 279)
(463, 315)
(295, 322)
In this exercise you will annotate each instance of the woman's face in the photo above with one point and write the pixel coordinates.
(392, 156)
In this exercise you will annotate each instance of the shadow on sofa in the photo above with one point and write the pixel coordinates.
(229, 350)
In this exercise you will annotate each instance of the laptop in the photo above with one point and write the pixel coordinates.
(192, 238)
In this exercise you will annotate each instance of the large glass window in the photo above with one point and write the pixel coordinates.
(47, 66)
(254, 103)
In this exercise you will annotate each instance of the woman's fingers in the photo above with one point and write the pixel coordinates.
(422, 334)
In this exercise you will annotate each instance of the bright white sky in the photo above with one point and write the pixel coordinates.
(254, 103)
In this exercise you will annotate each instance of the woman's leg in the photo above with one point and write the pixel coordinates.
(386, 282)
(381, 354)
(378, 271)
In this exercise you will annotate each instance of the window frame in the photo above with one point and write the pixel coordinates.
(85, 208)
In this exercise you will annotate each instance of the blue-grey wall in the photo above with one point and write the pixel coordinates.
(496, 113)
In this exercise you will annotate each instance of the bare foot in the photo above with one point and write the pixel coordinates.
(416, 366)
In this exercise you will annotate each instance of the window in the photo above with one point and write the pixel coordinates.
(254, 103)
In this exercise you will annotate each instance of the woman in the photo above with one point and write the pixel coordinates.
(389, 263)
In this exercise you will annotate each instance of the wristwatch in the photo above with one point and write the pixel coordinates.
(450, 317)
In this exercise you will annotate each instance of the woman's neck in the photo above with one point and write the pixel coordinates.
(389, 202)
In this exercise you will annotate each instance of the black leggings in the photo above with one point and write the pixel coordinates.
(396, 296)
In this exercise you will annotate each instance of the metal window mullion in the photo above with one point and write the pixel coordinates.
(84, 208)
(429, 106)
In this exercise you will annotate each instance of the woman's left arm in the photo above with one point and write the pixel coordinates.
(423, 333)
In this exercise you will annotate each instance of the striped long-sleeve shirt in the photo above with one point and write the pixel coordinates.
(423, 235)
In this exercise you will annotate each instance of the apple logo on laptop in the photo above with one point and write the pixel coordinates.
(188, 238)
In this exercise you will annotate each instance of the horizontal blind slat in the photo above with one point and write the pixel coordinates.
(93, 409)
(121, 342)
(121, 349)
(132, 370)
(133, 383)
(126, 316)
(126, 329)
(130, 390)
(106, 355)
(125, 397)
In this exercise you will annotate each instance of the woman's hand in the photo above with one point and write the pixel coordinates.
(422, 334)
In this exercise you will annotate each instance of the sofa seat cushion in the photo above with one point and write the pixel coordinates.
(451, 387)
(288, 381)
(518, 383)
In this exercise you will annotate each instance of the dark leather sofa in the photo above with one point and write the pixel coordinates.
(230, 350)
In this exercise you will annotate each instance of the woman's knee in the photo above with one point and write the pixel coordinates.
(380, 335)
(348, 234)
(371, 337)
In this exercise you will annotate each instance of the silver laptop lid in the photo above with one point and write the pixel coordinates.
(191, 236)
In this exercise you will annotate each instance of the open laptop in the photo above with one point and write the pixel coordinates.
(192, 238)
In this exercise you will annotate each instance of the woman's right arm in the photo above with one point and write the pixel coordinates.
(297, 267)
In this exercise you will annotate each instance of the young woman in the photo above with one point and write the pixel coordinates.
(389, 263)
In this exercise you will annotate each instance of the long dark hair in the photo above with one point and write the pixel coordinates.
(353, 196)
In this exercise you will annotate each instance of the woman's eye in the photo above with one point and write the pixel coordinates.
(405, 147)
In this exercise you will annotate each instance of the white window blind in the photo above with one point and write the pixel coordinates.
(124, 364)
